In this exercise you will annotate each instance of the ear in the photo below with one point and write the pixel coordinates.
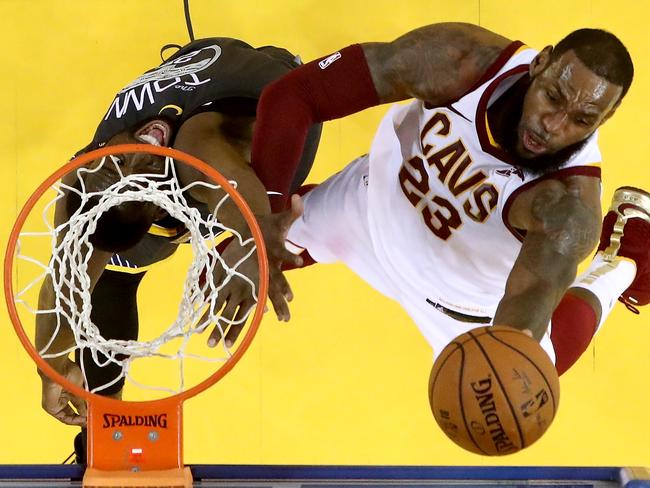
(540, 62)
(610, 113)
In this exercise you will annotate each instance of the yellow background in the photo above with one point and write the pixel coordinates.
(345, 381)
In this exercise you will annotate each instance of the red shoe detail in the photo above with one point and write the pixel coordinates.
(626, 233)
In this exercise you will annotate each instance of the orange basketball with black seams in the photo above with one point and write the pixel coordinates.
(494, 390)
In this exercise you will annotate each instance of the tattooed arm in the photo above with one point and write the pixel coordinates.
(437, 63)
(562, 220)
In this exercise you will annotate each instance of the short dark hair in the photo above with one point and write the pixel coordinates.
(602, 52)
(118, 228)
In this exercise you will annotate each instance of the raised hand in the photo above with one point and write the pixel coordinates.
(236, 298)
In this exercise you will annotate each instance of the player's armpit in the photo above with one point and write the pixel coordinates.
(562, 228)
(437, 63)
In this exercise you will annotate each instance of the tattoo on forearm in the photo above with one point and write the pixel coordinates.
(570, 227)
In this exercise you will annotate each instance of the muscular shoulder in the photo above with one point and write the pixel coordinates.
(436, 63)
(567, 211)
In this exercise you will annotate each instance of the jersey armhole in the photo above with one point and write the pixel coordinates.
(592, 170)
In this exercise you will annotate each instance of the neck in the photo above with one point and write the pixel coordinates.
(504, 114)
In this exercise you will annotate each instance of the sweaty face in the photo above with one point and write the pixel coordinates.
(564, 104)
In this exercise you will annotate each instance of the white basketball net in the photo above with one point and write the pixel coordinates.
(69, 261)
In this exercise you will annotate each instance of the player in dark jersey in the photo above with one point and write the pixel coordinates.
(202, 101)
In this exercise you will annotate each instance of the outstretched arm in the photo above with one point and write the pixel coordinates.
(437, 64)
(52, 340)
(562, 220)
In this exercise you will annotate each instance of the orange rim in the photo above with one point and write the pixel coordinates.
(204, 168)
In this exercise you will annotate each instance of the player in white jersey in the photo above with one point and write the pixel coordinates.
(477, 200)
(433, 180)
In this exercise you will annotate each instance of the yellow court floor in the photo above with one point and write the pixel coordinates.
(345, 381)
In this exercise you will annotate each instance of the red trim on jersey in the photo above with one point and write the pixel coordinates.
(304, 189)
(490, 72)
(499, 63)
(481, 121)
(519, 234)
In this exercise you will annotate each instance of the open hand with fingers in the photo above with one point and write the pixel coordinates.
(236, 298)
(59, 403)
(275, 228)
(236, 276)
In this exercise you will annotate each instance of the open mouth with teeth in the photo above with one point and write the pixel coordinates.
(157, 133)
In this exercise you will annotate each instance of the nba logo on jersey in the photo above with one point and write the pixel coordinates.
(511, 171)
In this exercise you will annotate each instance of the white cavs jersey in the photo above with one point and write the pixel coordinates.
(439, 191)
(423, 217)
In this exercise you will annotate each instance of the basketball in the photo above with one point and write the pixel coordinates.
(494, 390)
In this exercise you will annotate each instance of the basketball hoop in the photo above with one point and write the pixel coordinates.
(139, 443)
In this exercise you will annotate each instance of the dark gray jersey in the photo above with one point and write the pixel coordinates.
(202, 76)
(198, 75)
